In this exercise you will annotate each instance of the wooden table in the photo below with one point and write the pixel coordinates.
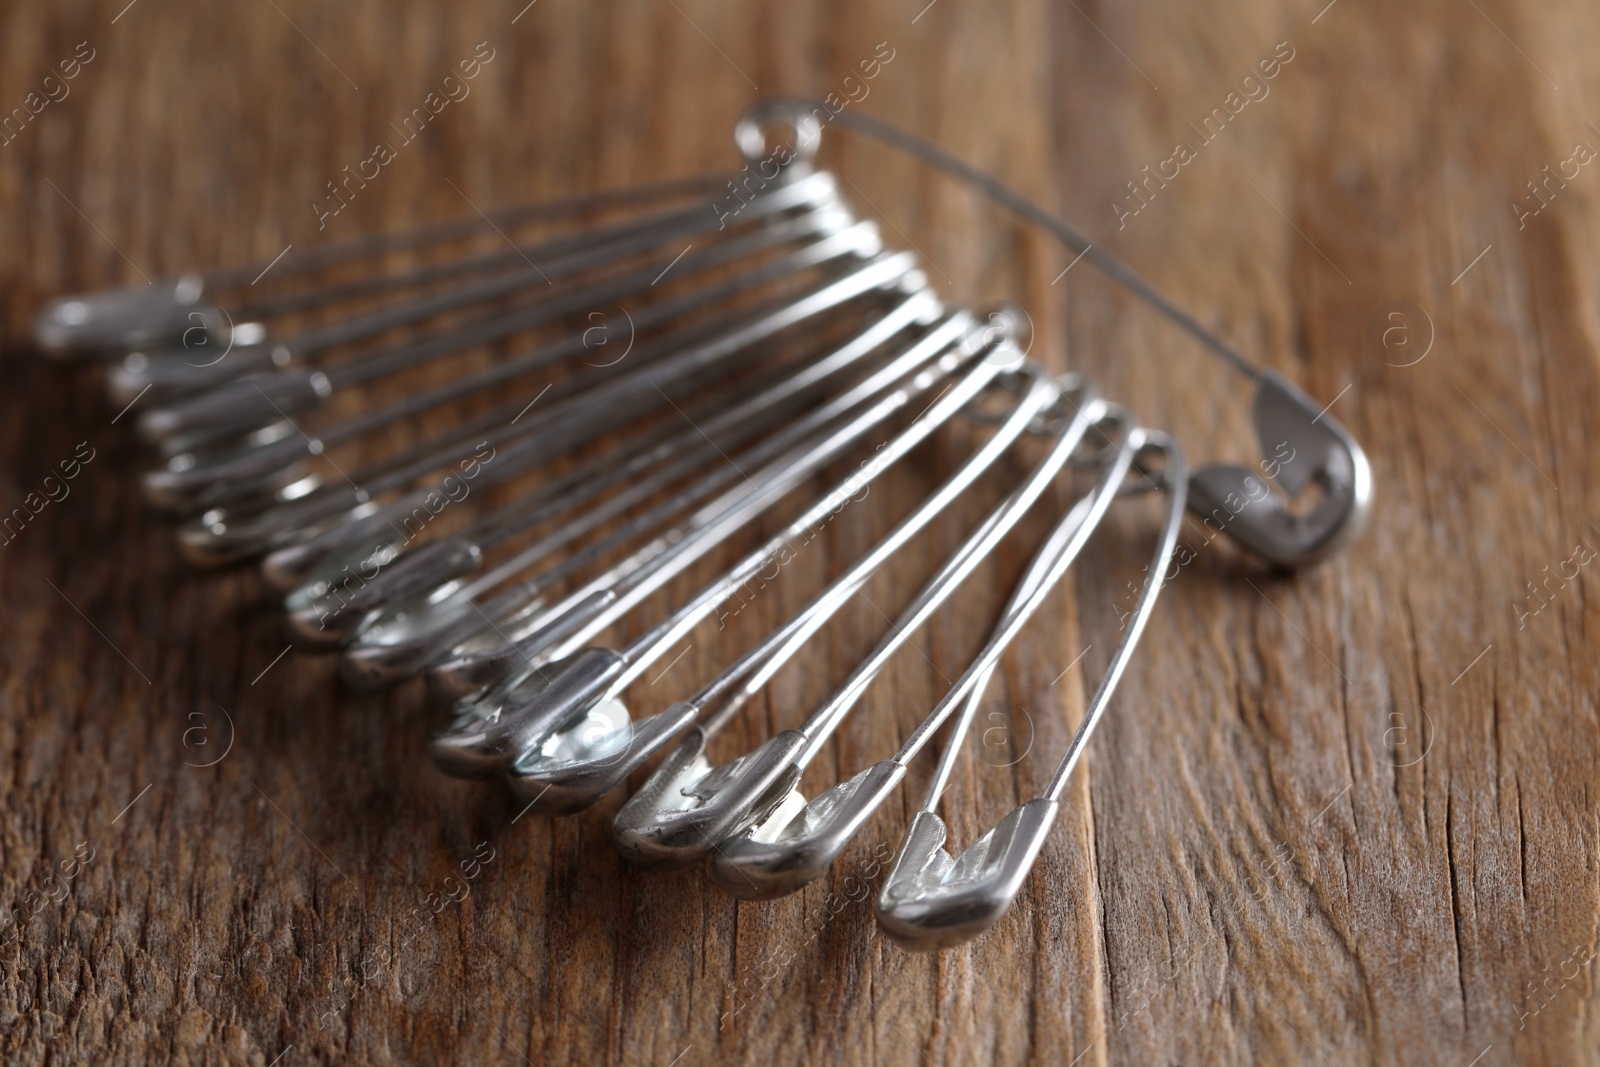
(1343, 816)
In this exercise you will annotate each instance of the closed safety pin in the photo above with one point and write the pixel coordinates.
(931, 900)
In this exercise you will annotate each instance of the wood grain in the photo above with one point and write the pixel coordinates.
(1346, 816)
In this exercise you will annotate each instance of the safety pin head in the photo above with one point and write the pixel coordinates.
(583, 761)
(258, 466)
(113, 319)
(523, 641)
(1302, 447)
(238, 405)
(164, 374)
(489, 734)
(358, 533)
(230, 533)
(932, 901)
(688, 806)
(335, 609)
(797, 842)
(407, 639)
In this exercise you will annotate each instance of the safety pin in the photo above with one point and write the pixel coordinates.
(1302, 444)
(931, 900)
(118, 320)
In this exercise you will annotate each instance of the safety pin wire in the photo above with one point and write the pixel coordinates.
(992, 187)
(1044, 559)
(366, 246)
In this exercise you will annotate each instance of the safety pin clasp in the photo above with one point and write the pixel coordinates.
(109, 320)
(933, 901)
(688, 805)
(798, 841)
(583, 761)
(485, 741)
(1302, 447)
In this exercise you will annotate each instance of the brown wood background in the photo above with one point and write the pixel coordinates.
(1342, 817)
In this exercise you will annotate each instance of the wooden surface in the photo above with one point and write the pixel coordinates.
(1343, 817)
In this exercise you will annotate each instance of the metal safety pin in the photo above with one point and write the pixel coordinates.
(688, 805)
(1301, 443)
(865, 406)
(210, 475)
(120, 319)
(404, 632)
(931, 900)
(243, 403)
(504, 723)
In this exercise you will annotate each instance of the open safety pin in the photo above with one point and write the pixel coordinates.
(1303, 445)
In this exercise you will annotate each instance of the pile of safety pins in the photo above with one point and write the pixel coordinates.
(792, 340)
